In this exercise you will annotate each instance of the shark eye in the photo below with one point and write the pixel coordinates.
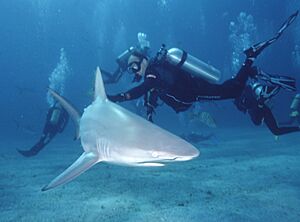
(154, 154)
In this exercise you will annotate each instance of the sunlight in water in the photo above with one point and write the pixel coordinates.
(242, 34)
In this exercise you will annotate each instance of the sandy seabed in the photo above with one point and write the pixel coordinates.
(246, 175)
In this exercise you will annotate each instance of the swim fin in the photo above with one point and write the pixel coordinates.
(284, 82)
(27, 153)
(256, 49)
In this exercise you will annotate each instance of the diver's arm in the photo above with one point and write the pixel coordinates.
(135, 92)
(151, 104)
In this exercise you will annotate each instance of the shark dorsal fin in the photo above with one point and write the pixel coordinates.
(99, 86)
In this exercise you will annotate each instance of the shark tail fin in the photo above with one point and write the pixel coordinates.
(75, 116)
(99, 86)
(83, 163)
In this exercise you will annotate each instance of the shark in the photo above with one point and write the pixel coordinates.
(112, 134)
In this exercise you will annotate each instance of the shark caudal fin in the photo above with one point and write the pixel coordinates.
(99, 86)
(83, 163)
(75, 116)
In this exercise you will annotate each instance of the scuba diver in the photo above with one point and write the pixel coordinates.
(294, 116)
(56, 121)
(254, 101)
(143, 45)
(179, 79)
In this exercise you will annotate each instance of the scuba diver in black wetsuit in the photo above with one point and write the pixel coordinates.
(169, 77)
(56, 121)
(254, 101)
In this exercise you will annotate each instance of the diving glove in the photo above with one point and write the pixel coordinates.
(117, 98)
(143, 42)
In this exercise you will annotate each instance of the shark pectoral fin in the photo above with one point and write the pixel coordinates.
(83, 163)
(75, 116)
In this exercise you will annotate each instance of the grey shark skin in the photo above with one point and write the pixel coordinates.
(110, 133)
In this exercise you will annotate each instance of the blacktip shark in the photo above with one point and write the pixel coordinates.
(109, 133)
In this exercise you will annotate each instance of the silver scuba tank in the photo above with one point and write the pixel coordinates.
(55, 116)
(193, 65)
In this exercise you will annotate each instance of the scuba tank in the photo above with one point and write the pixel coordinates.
(189, 63)
(55, 116)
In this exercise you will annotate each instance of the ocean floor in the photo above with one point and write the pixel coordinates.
(244, 175)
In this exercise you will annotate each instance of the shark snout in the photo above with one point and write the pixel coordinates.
(191, 155)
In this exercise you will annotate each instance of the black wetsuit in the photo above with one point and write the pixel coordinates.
(54, 124)
(179, 89)
(260, 112)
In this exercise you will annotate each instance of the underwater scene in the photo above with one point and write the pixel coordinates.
(150, 110)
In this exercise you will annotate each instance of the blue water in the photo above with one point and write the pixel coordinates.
(59, 43)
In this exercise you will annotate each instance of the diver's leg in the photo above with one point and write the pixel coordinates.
(271, 123)
(290, 121)
(247, 70)
(44, 140)
(231, 88)
(34, 150)
(256, 49)
(256, 115)
(234, 87)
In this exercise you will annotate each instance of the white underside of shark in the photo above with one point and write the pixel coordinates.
(110, 133)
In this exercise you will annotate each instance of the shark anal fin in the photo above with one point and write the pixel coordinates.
(83, 163)
(75, 116)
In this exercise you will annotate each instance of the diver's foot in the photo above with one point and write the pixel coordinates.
(255, 50)
(250, 52)
(285, 82)
(253, 71)
(26, 153)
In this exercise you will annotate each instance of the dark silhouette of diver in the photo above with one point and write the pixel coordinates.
(254, 101)
(179, 89)
(56, 121)
(256, 94)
